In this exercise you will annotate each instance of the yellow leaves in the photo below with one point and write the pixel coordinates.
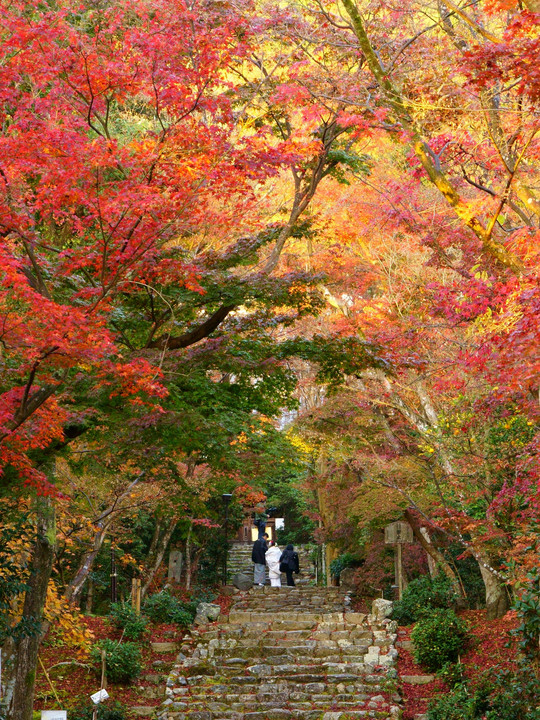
(299, 443)
(126, 560)
(376, 310)
(67, 625)
(307, 302)
(129, 467)
(482, 275)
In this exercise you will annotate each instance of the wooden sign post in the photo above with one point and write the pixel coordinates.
(396, 534)
(136, 595)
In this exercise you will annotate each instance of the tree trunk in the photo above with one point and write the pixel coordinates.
(432, 565)
(497, 600)
(434, 553)
(159, 550)
(102, 524)
(89, 598)
(26, 648)
(74, 588)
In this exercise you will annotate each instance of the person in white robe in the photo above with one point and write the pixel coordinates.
(273, 555)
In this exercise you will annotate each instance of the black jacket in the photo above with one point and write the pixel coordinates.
(257, 554)
(289, 559)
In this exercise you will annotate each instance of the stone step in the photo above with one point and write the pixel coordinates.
(296, 709)
(417, 679)
(317, 690)
(307, 643)
(303, 663)
(143, 711)
(282, 714)
(164, 647)
(288, 620)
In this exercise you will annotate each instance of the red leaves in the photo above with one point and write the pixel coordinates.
(116, 141)
(515, 59)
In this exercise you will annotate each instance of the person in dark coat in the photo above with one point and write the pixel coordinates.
(260, 524)
(258, 557)
(289, 564)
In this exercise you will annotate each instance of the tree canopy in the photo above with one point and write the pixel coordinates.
(287, 252)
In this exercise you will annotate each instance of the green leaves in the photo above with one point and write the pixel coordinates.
(336, 357)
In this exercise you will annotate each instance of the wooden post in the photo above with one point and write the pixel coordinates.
(103, 669)
(399, 573)
(396, 534)
(136, 595)
(114, 596)
(103, 680)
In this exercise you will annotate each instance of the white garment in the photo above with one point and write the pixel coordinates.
(272, 556)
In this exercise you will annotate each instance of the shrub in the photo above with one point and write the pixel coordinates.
(124, 617)
(341, 562)
(507, 695)
(527, 607)
(423, 595)
(203, 594)
(516, 696)
(123, 662)
(116, 711)
(452, 673)
(164, 607)
(438, 638)
(458, 704)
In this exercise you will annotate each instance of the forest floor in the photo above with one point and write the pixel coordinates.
(487, 648)
(75, 680)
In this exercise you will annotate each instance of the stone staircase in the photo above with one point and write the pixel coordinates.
(239, 560)
(287, 654)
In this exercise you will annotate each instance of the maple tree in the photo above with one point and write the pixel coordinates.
(466, 123)
(124, 243)
(215, 213)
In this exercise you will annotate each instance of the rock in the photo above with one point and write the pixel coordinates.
(381, 609)
(386, 660)
(355, 618)
(417, 679)
(206, 612)
(143, 711)
(228, 590)
(242, 581)
(164, 647)
(260, 670)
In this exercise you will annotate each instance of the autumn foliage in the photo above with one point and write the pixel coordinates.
(278, 251)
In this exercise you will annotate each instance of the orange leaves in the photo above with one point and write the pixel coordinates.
(495, 6)
(241, 439)
(133, 378)
(247, 496)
